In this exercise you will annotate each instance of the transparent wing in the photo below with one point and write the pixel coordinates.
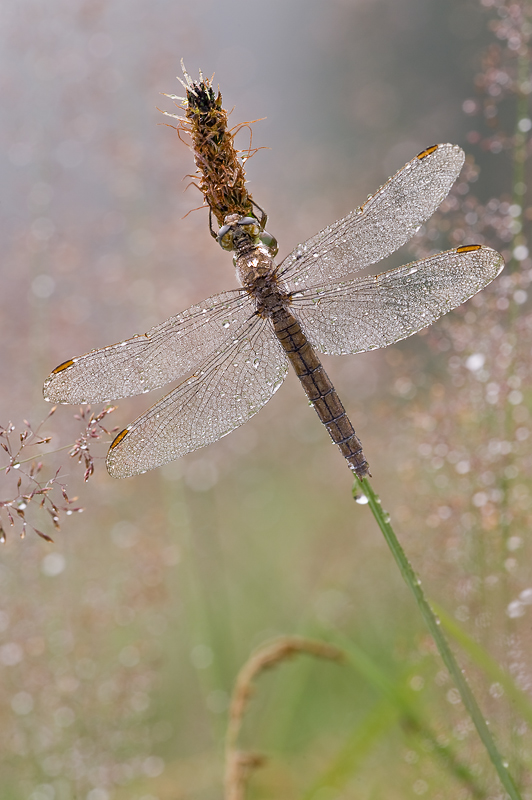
(153, 359)
(380, 226)
(227, 389)
(374, 311)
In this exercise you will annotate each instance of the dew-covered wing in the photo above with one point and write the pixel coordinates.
(374, 311)
(381, 225)
(153, 359)
(226, 390)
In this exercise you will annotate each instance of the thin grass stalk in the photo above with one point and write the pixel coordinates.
(382, 519)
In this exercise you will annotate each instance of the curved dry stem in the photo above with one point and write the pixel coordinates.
(240, 764)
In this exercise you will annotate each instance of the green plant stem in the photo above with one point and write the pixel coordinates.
(433, 624)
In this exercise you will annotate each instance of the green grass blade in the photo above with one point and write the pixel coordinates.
(399, 704)
(433, 624)
(379, 721)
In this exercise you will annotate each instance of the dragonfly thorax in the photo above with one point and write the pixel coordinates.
(269, 295)
(257, 273)
(254, 264)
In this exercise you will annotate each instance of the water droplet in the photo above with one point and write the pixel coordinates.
(361, 499)
(475, 362)
(225, 323)
(515, 609)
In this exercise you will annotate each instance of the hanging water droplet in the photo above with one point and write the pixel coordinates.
(361, 499)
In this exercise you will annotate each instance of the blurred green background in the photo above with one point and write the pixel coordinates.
(121, 641)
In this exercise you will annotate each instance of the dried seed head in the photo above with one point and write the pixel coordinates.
(221, 174)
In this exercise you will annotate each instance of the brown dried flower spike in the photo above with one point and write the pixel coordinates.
(221, 174)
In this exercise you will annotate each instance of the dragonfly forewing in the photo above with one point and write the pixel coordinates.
(385, 222)
(151, 360)
(377, 310)
(226, 390)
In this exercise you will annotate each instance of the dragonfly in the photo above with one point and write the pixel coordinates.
(232, 351)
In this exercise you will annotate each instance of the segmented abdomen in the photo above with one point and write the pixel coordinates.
(319, 389)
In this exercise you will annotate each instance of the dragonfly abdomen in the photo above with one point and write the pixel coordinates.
(319, 389)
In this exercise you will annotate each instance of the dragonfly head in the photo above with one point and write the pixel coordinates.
(241, 233)
(237, 232)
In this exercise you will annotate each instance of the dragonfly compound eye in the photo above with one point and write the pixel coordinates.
(225, 237)
(250, 226)
(270, 242)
